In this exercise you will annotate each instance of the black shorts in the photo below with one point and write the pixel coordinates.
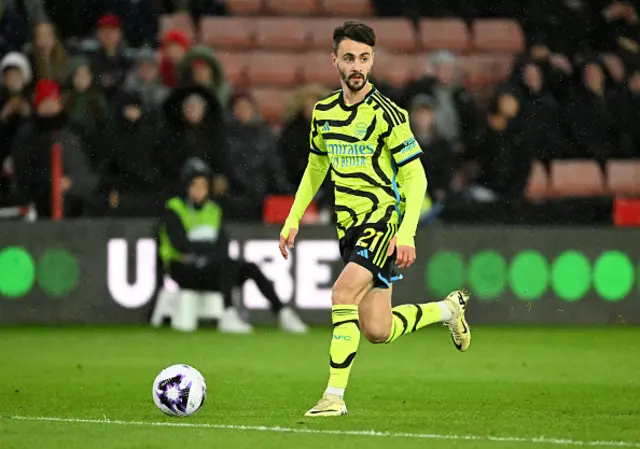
(368, 245)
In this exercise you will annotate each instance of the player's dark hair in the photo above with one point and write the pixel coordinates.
(356, 31)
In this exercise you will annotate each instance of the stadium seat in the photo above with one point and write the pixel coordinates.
(445, 34)
(351, 8)
(497, 36)
(233, 66)
(317, 68)
(576, 178)
(178, 21)
(282, 33)
(273, 68)
(271, 102)
(397, 35)
(624, 178)
(291, 7)
(244, 7)
(185, 307)
(395, 69)
(227, 32)
(322, 32)
(538, 184)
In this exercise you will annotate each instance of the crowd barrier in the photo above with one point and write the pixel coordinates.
(107, 273)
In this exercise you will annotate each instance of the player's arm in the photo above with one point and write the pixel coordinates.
(406, 153)
(314, 174)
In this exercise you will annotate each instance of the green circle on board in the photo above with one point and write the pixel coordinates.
(529, 275)
(487, 275)
(445, 272)
(613, 275)
(58, 272)
(571, 275)
(17, 272)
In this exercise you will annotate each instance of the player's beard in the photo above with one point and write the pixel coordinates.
(350, 84)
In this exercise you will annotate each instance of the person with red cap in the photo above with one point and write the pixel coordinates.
(31, 152)
(110, 62)
(175, 45)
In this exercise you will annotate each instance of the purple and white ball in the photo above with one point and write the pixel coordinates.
(179, 390)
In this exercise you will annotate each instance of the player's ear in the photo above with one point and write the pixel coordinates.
(334, 59)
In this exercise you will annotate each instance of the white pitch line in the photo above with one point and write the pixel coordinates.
(365, 433)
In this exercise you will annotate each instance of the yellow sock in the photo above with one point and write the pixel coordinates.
(344, 346)
(408, 318)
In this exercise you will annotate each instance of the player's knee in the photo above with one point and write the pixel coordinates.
(376, 334)
(340, 295)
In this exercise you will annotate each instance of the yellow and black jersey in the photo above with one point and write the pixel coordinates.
(365, 144)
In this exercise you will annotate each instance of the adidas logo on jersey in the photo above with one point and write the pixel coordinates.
(363, 253)
(326, 128)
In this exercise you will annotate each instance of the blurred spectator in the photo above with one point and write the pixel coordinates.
(566, 24)
(590, 116)
(620, 31)
(139, 19)
(14, 99)
(145, 81)
(501, 152)
(437, 158)
(201, 67)
(47, 55)
(457, 115)
(109, 62)
(73, 19)
(31, 154)
(132, 170)
(294, 140)
(628, 107)
(257, 171)
(175, 46)
(14, 30)
(556, 68)
(540, 114)
(195, 128)
(88, 111)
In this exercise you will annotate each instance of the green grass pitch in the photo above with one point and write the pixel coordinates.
(517, 387)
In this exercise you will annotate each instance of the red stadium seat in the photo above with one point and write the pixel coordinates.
(282, 33)
(624, 177)
(538, 184)
(397, 70)
(397, 35)
(576, 178)
(444, 34)
(234, 66)
(227, 32)
(317, 68)
(351, 8)
(273, 68)
(497, 36)
(322, 32)
(271, 102)
(244, 7)
(292, 7)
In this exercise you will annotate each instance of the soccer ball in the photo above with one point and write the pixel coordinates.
(179, 390)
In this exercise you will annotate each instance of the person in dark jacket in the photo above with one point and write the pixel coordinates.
(31, 152)
(14, 99)
(195, 128)
(194, 251)
(258, 171)
(109, 62)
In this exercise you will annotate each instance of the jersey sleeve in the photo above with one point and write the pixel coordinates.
(316, 142)
(401, 142)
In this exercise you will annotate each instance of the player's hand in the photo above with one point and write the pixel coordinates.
(406, 254)
(287, 242)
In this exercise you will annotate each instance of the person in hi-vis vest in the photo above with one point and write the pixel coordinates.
(195, 252)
